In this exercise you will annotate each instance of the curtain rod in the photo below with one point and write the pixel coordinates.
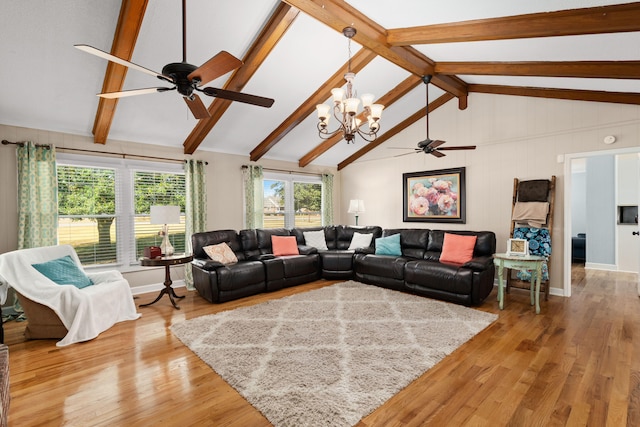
(286, 171)
(123, 155)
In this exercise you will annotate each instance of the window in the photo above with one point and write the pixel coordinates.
(292, 201)
(104, 205)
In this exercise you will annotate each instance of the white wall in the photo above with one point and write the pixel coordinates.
(578, 197)
(224, 185)
(516, 137)
(601, 213)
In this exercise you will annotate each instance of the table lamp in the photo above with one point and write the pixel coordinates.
(165, 215)
(356, 206)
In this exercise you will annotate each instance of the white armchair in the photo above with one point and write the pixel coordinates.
(64, 311)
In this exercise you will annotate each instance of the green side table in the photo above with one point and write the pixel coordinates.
(522, 263)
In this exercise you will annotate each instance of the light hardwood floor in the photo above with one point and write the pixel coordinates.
(576, 363)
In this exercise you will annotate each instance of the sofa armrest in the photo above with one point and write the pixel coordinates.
(480, 263)
(307, 250)
(207, 264)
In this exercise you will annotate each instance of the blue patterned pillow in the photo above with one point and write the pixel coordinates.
(539, 244)
(538, 238)
(64, 271)
(388, 245)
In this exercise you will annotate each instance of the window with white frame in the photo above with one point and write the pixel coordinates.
(292, 200)
(104, 205)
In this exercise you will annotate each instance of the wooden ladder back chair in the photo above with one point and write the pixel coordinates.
(514, 281)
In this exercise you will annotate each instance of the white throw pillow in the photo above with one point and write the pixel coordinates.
(360, 240)
(315, 239)
(221, 253)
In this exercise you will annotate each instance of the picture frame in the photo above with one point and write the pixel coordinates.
(435, 196)
(517, 247)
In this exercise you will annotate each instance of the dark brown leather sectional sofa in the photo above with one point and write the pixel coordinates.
(416, 271)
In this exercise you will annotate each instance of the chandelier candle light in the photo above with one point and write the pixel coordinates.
(165, 215)
(345, 108)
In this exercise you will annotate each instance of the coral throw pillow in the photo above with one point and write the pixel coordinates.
(221, 253)
(284, 245)
(457, 249)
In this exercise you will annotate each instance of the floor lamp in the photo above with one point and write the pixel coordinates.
(165, 215)
(356, 206)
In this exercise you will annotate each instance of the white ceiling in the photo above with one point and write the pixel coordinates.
(47, 84)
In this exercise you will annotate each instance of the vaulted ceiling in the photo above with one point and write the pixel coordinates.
(294, 52)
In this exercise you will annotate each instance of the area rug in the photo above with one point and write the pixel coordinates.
(330, 356)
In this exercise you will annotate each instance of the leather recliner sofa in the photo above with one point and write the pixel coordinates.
(417, 270)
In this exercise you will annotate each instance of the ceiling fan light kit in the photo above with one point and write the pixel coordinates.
(185, 77)
(345, 108)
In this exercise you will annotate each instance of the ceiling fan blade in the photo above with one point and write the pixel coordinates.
(461, 147)
(238, 96)
(437, 153)
(402, 148)
(405, 154)
(197, 107)
(134, 92)
(102, 54)
(217, 66)
(436, 143)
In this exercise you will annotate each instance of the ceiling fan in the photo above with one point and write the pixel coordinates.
(430, 146)
(186, 78)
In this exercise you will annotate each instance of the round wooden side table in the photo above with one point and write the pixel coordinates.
(166, 262)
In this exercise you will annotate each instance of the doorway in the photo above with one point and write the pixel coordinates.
(569, 161)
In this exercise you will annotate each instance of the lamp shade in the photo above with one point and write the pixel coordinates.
(165, 214)
(356, 206)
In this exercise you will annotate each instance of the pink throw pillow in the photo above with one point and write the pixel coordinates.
(457, 249)
(284, 245)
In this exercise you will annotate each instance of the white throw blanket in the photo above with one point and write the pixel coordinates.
(84, 312)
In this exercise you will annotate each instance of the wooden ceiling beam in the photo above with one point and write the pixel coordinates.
(388, 99)
(584, 69)
(124, 40)
(395, 130)
(338, 14)
(592, 20)
(358, 62)
(277, 25)
(570, 94)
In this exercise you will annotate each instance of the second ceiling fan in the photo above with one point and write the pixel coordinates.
(186, 78)
(430, 146)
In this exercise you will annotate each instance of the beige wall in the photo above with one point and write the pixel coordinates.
(516, 137)
(224, 185)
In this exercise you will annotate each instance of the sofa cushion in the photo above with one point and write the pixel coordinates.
(457, 249)
(344, 235)
(284, 245)
(221, 253)
(413, 241)
(263, 236)
(64, 271)
(360, 240)
(388, 245)
(315, 239)
(208, 238)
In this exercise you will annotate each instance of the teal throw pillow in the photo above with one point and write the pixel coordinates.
(388, 245)
(64, 271)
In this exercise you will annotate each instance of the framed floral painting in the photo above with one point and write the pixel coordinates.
(434, 196)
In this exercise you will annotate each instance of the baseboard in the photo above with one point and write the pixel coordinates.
(597, 266)
(559, 292)
(155, 287)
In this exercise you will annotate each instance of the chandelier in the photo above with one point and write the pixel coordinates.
(345, 108)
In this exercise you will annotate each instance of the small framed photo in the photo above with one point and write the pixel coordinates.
(517, 247)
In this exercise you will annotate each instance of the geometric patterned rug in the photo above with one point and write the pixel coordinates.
(330, 356)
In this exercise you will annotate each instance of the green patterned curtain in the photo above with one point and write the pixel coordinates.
(37, 196)
(253, 197)
(196, 208)
(327, 199)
